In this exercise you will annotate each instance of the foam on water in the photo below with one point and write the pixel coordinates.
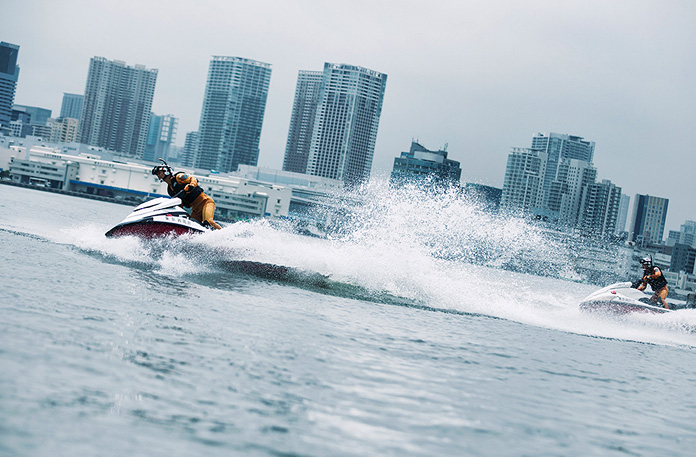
(434, 249)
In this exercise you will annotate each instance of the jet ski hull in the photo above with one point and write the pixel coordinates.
(616, 307)
(151, 229)
(157, 218)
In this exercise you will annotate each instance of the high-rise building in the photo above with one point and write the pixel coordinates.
(623, 214)
(344, 129)
(232, 116)
(572, 178)
(9, 73)
(562, 166)
(190, 147)
(647, 220)
(116, 107)
(522, 180)
(71, 106)
(685, 235)
(557, 147)
(304, 110)
(161, 136)
(420, 163)
(599, 208)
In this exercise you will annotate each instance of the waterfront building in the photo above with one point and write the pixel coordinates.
(522, 180)
(599, 209)
(232, 116)
(548, 180)
(647, 219)
(304, 110)
(9, 74)
(683, 258)
(64, 130)
(421, 164)
(345, 123)
(161, 136)
(558, 147)
(190, 147)
(116, 107)
(92, 175)
(685, 235)
(33, 114)
(566, 191)
(71, 105)
(623, 214)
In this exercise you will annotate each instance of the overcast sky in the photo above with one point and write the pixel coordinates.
(480, 76)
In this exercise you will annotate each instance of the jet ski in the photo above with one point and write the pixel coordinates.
(158, 218)
(623, 298)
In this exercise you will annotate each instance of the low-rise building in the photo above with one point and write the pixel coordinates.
(235, 197)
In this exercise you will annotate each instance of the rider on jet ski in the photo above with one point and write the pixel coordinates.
(653, 275)
(191, 194)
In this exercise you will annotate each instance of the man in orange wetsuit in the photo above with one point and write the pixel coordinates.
(191, 194)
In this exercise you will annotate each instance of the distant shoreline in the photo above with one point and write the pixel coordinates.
(70, 192)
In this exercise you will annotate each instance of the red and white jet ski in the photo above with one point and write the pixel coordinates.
(158, 218)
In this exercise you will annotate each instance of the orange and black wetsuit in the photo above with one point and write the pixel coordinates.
(192, 196)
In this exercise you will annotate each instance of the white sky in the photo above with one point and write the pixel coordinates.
(481, 76)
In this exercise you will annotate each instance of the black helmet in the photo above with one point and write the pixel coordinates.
(166, 169)
(157, 168)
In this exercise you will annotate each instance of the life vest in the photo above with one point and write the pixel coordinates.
(179, 181)
(658, 282)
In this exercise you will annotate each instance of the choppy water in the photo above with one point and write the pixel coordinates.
(386, 340)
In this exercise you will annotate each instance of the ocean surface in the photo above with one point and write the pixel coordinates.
(400, 335)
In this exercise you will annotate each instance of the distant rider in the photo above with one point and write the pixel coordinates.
(191, 194)
(653, 276)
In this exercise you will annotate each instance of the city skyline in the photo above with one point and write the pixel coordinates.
(481, 77)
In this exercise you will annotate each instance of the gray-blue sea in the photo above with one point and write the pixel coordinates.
(399, 335)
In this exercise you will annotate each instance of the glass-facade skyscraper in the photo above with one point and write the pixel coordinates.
(71, 106)
(9, 73)
(648, 217)
(161, 136)
(304, 110)
(116, 107)
(344, 124)
(232, 116)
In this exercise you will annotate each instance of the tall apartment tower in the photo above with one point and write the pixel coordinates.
(161, 136)
(190, 147)
(304, 110)
(344, 126)
(9, 73)
(116, 108)
(647, 220)
(566, 192)
(623, 214)
(557, 147)
(523, 176)
(599, 209)
(232, 116)
(71, 106)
